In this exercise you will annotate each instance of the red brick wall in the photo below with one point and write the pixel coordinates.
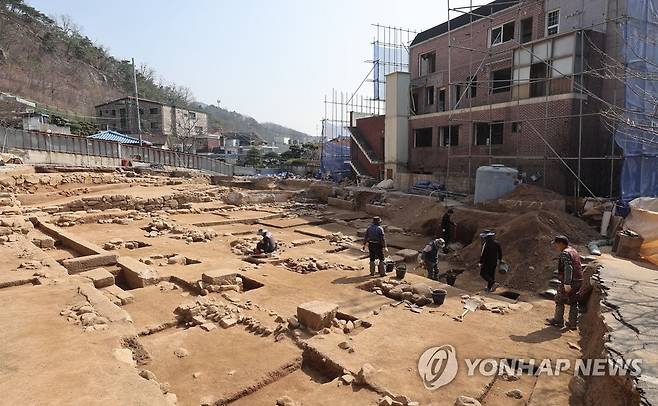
(372, 130)
(464, 63)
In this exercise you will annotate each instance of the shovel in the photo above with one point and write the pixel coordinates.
(470, 305)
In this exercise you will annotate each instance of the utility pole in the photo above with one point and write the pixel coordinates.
(139, 121)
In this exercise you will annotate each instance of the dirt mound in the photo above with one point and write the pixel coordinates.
(532, 193)
(525, 241)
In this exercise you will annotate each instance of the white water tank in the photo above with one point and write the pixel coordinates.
(494, 181)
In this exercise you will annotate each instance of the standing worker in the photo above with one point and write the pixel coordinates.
(570, 274)
(431, 257)
(490, 258)
(447, 228)
(376, 243)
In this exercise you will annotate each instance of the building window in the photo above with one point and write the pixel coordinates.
(538, 79)
(427, 64)
(154, 125)
(192, 115)
(488, 134)
(516, 127)
(526, 30)
(198, 129)
(501, 34)
(501, 80)
(154, 110)
(423, 137)
(114, 113)
(100, 112)
(553, 22)
(458, 94)
(429, 95)
(442, 99)
(449, 136)
(141, 112)
(473, 80)
(414, 102)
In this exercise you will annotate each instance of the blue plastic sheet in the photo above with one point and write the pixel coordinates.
(639, 176)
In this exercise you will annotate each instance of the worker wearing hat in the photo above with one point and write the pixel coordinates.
(376, 243)
(570, 274)
(268, 244)
(430, 257)
(490, 258)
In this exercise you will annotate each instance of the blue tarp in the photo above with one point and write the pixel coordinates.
(639, 176)
(335, 154)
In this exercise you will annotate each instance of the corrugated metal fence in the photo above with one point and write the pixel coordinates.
(72, 144)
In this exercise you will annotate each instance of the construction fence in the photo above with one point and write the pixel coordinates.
(11, 138)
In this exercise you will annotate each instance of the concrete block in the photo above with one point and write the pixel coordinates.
(122, 295)
(67, 239)
(316, 315)
(341, 203)
(101, 277)
(80, 264)
(137, 274)
(219, 277)
(305, 241)
(103, 305)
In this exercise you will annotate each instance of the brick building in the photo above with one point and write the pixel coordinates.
(160, 123)
(512, 95)
(367, 147)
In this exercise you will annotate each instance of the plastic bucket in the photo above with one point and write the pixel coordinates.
(390, 266)
(451, 278)
(400, 271)
(439, 296)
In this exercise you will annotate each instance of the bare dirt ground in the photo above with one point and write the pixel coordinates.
(161, 333)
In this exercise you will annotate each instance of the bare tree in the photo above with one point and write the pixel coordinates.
(187, 132)
(68, 26)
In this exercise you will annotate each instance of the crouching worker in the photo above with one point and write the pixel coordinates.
(570, 274)
(430, 257)
(267, 244)
(376, 243)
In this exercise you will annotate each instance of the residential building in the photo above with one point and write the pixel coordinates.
(35, 121)
(161, 124)
(507, 86)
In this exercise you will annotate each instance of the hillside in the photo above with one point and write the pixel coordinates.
(53, 64)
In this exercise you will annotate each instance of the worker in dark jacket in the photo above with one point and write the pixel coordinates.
(447, 228)
(430, 257)
(490, 258)
(376, 243)
(267, 244)
(570, 274)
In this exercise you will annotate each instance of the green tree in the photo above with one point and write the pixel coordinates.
(271, 159)
(254, 157)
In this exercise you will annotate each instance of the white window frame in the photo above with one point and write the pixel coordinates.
(420, 62)
(556, 26)
(501, 34)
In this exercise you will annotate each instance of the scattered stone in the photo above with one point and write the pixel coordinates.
(316, 315)
(181, 352)
(467, 401)
(347, 379)
(365, 374)
(148, 375)
(515, 394)
(208, 326)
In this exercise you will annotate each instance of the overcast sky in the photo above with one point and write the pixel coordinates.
(272, 60)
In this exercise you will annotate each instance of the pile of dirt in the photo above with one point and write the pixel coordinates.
(526, 192)
(525, 241)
